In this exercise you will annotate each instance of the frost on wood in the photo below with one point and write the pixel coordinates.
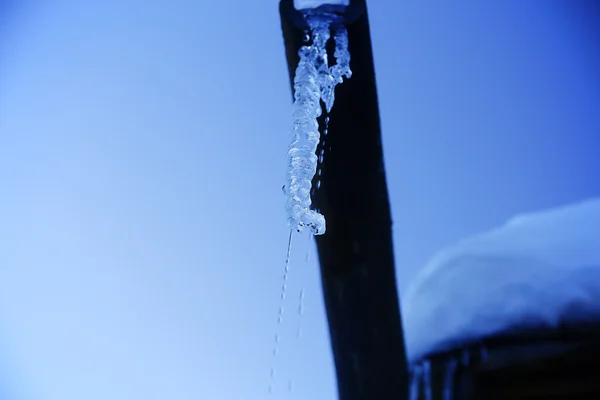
(539, 270)
(314, 81)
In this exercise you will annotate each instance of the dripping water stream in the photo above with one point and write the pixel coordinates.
(281, 309)
(280, 328)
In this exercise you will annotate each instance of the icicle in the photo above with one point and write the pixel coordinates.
(415, 383)
(302, 161)
(483, 353)
(466, 357)
(321, 35)
(449, 374)
(342, 66)
(427, 380)
(314, 81)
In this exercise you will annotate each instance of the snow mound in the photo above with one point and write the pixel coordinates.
(539, 270)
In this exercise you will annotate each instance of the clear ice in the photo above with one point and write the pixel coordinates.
(314, 81)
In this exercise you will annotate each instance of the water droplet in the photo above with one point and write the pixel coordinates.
(301, 303)
(310, 236)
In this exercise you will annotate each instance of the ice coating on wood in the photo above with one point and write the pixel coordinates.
(314, 81)
(540, 270)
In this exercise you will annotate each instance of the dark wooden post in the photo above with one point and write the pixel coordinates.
(356, 253)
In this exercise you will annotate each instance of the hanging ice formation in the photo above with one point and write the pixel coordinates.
(314, 81)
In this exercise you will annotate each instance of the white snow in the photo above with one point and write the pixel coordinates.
(537, 271)
(304, 4)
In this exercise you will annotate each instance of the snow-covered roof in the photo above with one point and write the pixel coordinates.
(304, 4)
(537, 271)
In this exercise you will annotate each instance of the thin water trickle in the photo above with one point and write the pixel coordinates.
(281, 309)
(321, 156)
(272, 379)
(310, 236)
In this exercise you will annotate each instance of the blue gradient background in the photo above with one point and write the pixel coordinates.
(142, 231)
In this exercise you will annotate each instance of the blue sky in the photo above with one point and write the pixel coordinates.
(142, 150)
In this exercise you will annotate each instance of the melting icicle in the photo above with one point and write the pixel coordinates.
(314, 81)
